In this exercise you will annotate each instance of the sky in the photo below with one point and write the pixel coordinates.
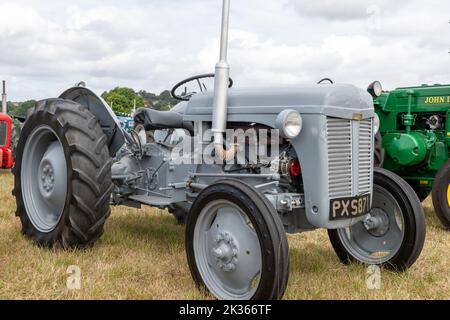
(48, 46)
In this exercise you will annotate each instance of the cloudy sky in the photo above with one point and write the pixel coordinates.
(46, 46)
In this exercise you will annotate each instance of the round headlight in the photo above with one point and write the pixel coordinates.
(290, 124)
(376, 124)
(375, 89)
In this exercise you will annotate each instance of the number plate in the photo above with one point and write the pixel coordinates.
(349, 207)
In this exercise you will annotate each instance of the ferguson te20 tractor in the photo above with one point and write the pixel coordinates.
(247, 166)
(415, 131)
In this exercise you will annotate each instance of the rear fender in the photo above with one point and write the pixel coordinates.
(102, 111)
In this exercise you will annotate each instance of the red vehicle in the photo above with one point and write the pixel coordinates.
(6, 157)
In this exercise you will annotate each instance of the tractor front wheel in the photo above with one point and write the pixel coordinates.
(393, 234)
(441, 195)
(62, 175)
(236, 244)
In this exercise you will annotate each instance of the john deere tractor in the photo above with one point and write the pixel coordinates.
(414, 139)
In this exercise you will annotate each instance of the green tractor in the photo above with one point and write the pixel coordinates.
(414, 139)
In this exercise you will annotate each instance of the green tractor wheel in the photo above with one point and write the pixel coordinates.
(441, 195)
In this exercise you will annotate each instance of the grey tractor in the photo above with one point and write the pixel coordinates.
(244, 167)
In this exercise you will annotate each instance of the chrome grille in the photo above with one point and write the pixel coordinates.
(365, 157)
(349, 157)
(339, 133)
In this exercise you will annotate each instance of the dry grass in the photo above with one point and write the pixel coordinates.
(141, 256)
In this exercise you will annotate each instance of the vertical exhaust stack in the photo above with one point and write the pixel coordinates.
(221, 83)
(4, 101)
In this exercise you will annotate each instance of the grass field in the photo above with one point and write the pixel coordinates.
(141, 256)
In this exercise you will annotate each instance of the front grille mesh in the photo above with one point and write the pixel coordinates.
(365, 156)
(349, 157)
(339, 132)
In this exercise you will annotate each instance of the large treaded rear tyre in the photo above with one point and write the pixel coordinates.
(260, 243)
(77, 220)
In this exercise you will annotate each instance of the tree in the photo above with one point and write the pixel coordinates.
(122, 99)
(163, 102)
(20, 109)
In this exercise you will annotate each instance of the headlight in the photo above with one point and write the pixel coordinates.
(376, 124)
(290, 124)
(375, 89)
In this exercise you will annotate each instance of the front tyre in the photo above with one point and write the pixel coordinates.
(236, 245)
(393, 235)
(441, 195)
(62, 175)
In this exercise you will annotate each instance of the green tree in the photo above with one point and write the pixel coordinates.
(164, 101)
(20, 109)
(122, 99)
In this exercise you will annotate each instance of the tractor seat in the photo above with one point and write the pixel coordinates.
(158, 120)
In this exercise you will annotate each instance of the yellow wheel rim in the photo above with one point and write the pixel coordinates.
(448, 195)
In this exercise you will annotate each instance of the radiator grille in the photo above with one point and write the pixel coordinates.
(3, 131)
(365, 156)
(339, 132)
(350, 157)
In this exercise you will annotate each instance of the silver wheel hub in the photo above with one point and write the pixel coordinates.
(377, 239)
(47, 179)
(226, 252)
(377, 223)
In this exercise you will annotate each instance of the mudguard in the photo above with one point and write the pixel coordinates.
(104, 113)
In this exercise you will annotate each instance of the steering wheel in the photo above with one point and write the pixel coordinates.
(324, 80)
(186, 96)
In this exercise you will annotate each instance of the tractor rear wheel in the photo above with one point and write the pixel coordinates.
(393, 235)
(236, 244)
(62, 175)
(441, 195)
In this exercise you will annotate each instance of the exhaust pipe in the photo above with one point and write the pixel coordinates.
(4, 101)
(221, 83)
